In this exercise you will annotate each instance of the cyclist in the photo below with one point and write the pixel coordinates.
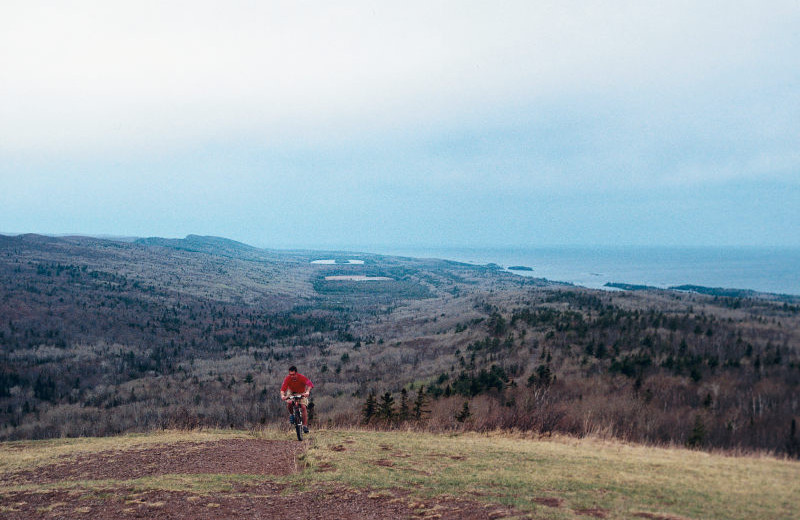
(295, 383)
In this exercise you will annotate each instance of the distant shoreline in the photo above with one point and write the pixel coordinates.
(767, 270)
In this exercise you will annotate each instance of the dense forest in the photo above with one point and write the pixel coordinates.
(102, 336)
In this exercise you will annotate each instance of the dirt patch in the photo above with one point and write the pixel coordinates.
(655, 516)
(439, 456)
(258, 500)
(549, 501)
(595, 512)
(227, 457)
(261, 502)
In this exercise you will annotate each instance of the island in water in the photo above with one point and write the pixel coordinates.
(520, 268)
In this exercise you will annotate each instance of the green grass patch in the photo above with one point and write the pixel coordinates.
(556, 477)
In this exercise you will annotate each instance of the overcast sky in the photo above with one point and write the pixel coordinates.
(358, 124)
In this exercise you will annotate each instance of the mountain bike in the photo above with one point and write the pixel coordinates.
(297, 413)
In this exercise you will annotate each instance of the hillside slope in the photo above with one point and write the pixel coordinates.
(103, 336)
(367, 474)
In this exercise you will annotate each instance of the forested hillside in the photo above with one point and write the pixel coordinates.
(103, 336)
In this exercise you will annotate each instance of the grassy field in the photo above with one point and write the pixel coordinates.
(620, 480)
(554, 478)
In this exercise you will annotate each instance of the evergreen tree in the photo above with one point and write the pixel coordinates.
(543, 376)
(370, 407)
(403, 413)
(464, 414)
(698, 435)
(419, 403)
(793, 445)
(386, 407)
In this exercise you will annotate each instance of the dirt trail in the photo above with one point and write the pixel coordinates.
(262, 499)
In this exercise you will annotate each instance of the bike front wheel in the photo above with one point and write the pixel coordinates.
(298, 425)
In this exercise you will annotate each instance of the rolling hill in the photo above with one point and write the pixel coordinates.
(105, 336)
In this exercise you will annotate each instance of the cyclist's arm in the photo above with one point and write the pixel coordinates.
(284, 389)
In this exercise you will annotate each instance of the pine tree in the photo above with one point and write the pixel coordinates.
(419, 403)
(542, 377)
(370, 407)
(403, 414)
(793, 444)
(698, 435)
(464, 414)
(386, 407)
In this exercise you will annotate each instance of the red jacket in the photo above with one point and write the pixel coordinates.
(297, 385)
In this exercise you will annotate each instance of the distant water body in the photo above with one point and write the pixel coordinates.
(774, 270)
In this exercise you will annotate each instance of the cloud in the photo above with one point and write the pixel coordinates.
(315, 116)
(155, 74)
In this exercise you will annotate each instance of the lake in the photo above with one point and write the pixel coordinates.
(774, 270)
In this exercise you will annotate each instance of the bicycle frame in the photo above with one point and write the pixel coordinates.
(297, 412)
